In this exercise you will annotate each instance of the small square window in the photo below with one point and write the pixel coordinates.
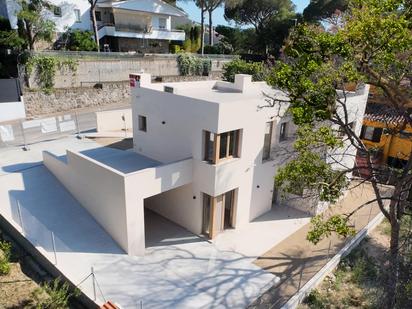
(142, 123)
(98, 16)
(77, 15)
(162, 23)
(57, 10)
(283, 131)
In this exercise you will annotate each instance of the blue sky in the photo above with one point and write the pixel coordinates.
(218, 19)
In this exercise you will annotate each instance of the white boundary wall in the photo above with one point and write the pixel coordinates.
(114, 120)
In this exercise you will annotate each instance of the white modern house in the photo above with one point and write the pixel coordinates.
(129, 25)
(205, 155)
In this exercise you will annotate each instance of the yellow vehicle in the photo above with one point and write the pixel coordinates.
(386, 132)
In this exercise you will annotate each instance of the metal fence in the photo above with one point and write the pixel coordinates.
(119, 55)
(23, 133)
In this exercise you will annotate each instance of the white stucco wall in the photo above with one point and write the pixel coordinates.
(179, 205)
(12, 111)
(116, 199)
(113, 120)
(97, 188)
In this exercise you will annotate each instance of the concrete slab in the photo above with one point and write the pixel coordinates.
(264, 232)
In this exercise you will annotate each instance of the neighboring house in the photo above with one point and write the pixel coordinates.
(11, 100)
(130, 25)
(205, 156)
(392, 148)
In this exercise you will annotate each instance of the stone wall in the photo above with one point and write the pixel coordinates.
(90, 72)
(111, 95)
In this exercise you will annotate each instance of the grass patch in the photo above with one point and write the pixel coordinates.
(5, 254)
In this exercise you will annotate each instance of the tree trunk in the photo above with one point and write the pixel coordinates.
(29, 34)
(210, 28)
(94, 22)
(202, 31)
(393, 274)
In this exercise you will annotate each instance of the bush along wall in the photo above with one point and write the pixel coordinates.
(193, 65)
(44, 68)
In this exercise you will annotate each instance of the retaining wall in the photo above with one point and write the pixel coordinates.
(90, 72)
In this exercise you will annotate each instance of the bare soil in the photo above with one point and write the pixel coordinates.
(349, 286)
(16, 288)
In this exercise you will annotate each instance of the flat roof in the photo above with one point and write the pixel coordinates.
(206, 90)
(121, 160)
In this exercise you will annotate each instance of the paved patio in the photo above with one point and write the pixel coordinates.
(179, 270)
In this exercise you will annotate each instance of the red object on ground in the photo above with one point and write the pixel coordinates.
(109, 305)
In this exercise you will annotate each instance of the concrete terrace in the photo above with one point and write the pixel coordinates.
(179, 269)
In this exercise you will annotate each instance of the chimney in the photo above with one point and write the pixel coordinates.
(243, 82)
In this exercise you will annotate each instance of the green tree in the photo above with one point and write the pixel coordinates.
(9, 38)
(79, 40)
(263, 15)
(373, 46)
(321, 9)
(32, 25)
(212, 5)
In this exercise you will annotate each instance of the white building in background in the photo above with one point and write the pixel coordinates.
(129, 25)
(205, 156)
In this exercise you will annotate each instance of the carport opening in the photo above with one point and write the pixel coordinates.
(161, 230)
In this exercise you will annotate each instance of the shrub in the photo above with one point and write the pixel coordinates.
(54, 295)
(78, 40)
(5, 254)
(315, 300)
(174, 48)
(209, 49)
(46, 66)
(238, 66)
(193, 65)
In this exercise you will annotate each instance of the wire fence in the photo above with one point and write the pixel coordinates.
(23, 133)
(119, 55)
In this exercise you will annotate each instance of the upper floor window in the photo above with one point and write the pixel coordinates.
(221, 146)
(283, 131)
(142, 122)
(162, 23)
(77, 15)
(57, 10)
(267, 141)
(371, 134)
(98, 16)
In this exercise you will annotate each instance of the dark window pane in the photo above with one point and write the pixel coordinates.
(223, 145)
(267, 140)
(209, 145)
(377, 133)
(234, 135)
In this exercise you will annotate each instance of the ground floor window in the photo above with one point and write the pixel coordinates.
(218, 213)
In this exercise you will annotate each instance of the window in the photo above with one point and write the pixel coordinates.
(77, 15)
(98, 16)
(162, 23)
(283, 131)
(267, 141)
(405, 135)
(57, 10)
(220, 146)
(371, 134)
(142, 123)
